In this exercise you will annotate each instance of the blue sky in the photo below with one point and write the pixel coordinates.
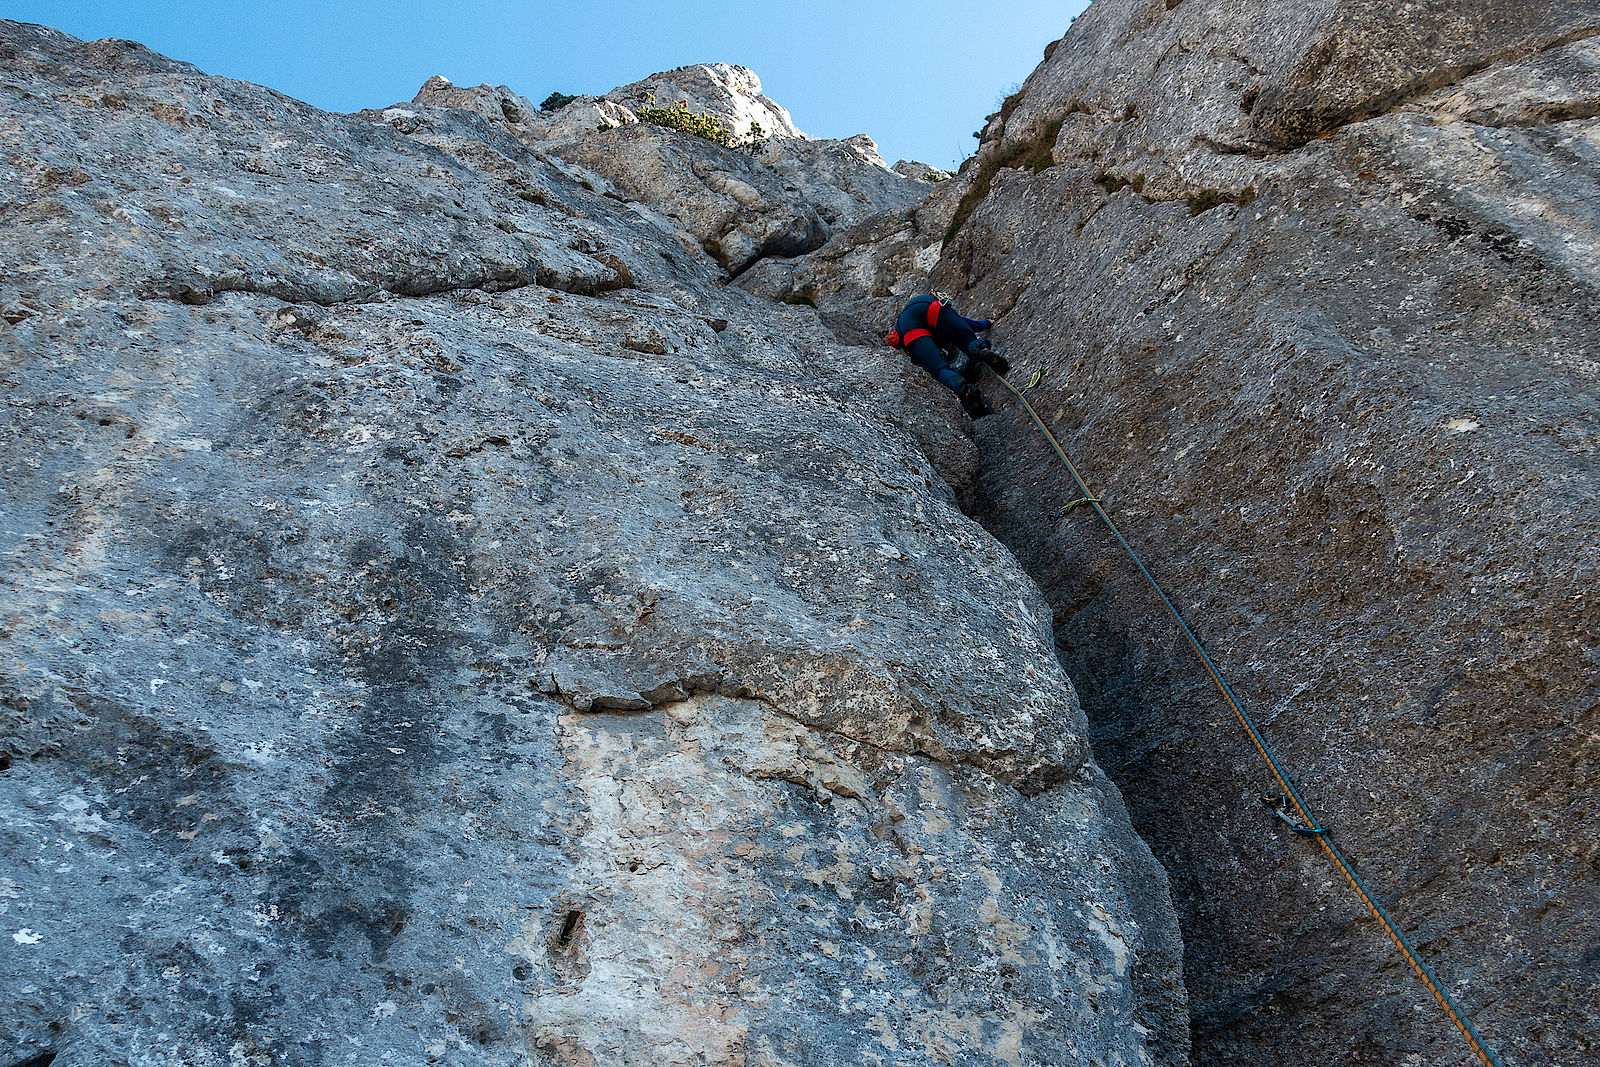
(917, 77)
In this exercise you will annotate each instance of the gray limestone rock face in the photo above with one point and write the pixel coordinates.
(577, 120)
(780, 196)
(738, 210)
(496, 102)
(919, 171)
(729, 94)
(445, 622)
(864, 275)
(859, 280)
(1313, 293)
(847, 180)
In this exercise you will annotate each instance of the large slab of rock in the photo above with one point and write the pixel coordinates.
(861, 279)
(847, 180)
(446, 623)
(1313, 292)
(573, 121)
(919, 171)
(496, 102)
(731, 95)
(739, 210)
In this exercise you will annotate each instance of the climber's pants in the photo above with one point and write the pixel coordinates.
(953, 330)
(925, 354)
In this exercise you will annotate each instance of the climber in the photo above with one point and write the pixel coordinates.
(928, 328)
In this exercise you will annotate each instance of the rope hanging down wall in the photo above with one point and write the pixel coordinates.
(1308, 825)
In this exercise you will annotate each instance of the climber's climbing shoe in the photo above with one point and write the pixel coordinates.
(973, 403)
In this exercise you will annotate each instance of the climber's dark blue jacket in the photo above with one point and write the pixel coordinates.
(924, 341)
(953, 328)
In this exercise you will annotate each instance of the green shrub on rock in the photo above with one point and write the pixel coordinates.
(556, 101)
(679, 117)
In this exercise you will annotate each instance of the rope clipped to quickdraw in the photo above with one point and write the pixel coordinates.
(1279, 807)
(1288, 806)
(1067, 508)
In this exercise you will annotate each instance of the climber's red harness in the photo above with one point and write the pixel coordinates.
(894, 340)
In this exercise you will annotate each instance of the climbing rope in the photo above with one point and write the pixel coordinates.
(1308, 825)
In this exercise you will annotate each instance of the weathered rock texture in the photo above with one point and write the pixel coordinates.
(1314, 289)
(731, 95)
(847, 180)
(736, 209)
(494, 102)
(445, 622)
(925, 172)
(861, 278)
(787, 197)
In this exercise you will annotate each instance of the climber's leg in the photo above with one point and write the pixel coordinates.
(954, 330)
(925, 354)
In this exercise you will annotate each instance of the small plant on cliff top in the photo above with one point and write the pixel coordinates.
(679, 117)
(1008, 106)
(556, 101)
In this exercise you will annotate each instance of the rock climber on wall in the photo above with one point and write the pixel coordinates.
(928, 328)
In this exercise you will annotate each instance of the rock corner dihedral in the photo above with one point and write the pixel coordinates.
(478, 590)
(447, 621)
